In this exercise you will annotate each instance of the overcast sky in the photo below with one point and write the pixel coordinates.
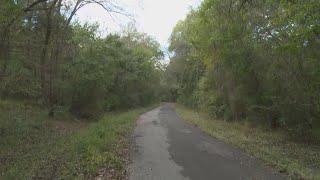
(154, 17)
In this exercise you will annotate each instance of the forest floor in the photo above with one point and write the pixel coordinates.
(34, 146)
(298, 160)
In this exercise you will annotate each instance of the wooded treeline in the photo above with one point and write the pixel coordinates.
(250, 59)
(48, 58)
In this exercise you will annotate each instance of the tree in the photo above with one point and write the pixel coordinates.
(52, 60)
(250, 60)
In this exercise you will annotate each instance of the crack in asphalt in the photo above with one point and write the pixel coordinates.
(167, 148)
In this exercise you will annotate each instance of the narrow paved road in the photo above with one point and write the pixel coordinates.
(167, 148)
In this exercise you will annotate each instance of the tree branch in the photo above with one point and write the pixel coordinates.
(29, 8)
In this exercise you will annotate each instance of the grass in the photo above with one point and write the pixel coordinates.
(275, 148)
(35, 147)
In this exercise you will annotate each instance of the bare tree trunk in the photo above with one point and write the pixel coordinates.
(43, 58)
(53, 71)
(44, 53)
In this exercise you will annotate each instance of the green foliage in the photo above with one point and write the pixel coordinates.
(45, 59)
(112, 73)
(251, 59)
(34, 146)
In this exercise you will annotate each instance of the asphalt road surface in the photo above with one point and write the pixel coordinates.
(167, 148)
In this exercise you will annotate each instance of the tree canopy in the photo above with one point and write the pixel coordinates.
(46, 57)
(256, 60)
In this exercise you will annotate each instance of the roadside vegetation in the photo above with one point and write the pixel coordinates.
(66, 91)
(34, 146)
(275, 148)
(250, 60)
(62, 64)
(69, 96)
(252, 67)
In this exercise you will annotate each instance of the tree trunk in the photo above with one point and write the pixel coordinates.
(44, 53)
(4, 51)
